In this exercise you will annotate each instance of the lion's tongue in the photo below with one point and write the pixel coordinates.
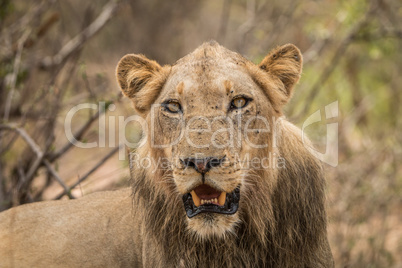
(206, 192)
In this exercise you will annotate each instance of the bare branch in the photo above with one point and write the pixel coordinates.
(21, 182)
(3, 195)
(39, 159)
(79, 134)
(100, 163)
(13, 80)
(24, 23)
(32, 144)
(9, 144)
(35, 12)
(74, 44)
(25, 136)
(58, 179)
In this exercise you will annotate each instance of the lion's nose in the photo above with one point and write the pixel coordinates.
(202, 165)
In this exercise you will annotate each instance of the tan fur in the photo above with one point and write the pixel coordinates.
(180, 88)
(281, 221)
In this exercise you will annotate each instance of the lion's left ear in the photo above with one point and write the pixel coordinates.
(284, 64)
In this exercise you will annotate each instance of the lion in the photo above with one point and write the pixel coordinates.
(228, 180)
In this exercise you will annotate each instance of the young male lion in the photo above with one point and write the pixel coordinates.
(229, 182)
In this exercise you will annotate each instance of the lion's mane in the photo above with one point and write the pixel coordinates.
(285, 229)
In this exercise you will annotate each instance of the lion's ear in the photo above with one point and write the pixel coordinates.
(284, 63)
(140, 79)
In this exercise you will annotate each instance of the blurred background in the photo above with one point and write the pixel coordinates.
(55, 55)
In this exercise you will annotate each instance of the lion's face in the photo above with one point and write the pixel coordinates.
(211, 115)
(203, 126)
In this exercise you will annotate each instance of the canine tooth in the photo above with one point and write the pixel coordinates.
(222, 199)
(215, 200)
(196, 199)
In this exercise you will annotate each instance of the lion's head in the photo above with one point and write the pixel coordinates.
(224, 162)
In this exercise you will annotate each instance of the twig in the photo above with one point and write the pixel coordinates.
(32, 144)
(58, 179)
(21, 182)
(34, 167)
(39, 159)
(2, 191)
(16, 68)
(108, 11)
(9, 144)
(34, 148)
(25, 136)
(25, 22)
(78, 135)
(34, 13)
(100, 163)
(39, 192)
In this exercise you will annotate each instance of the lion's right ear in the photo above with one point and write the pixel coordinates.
(141, 80)
(278, 73)
(284, 63)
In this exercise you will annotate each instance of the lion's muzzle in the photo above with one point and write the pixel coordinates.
(203, 165)
(205, 199)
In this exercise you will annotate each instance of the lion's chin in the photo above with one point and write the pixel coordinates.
(208, 225)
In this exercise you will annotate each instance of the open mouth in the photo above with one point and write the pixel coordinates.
(204, 199)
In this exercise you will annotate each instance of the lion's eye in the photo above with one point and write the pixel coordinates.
(239, 102)
(172, 106)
